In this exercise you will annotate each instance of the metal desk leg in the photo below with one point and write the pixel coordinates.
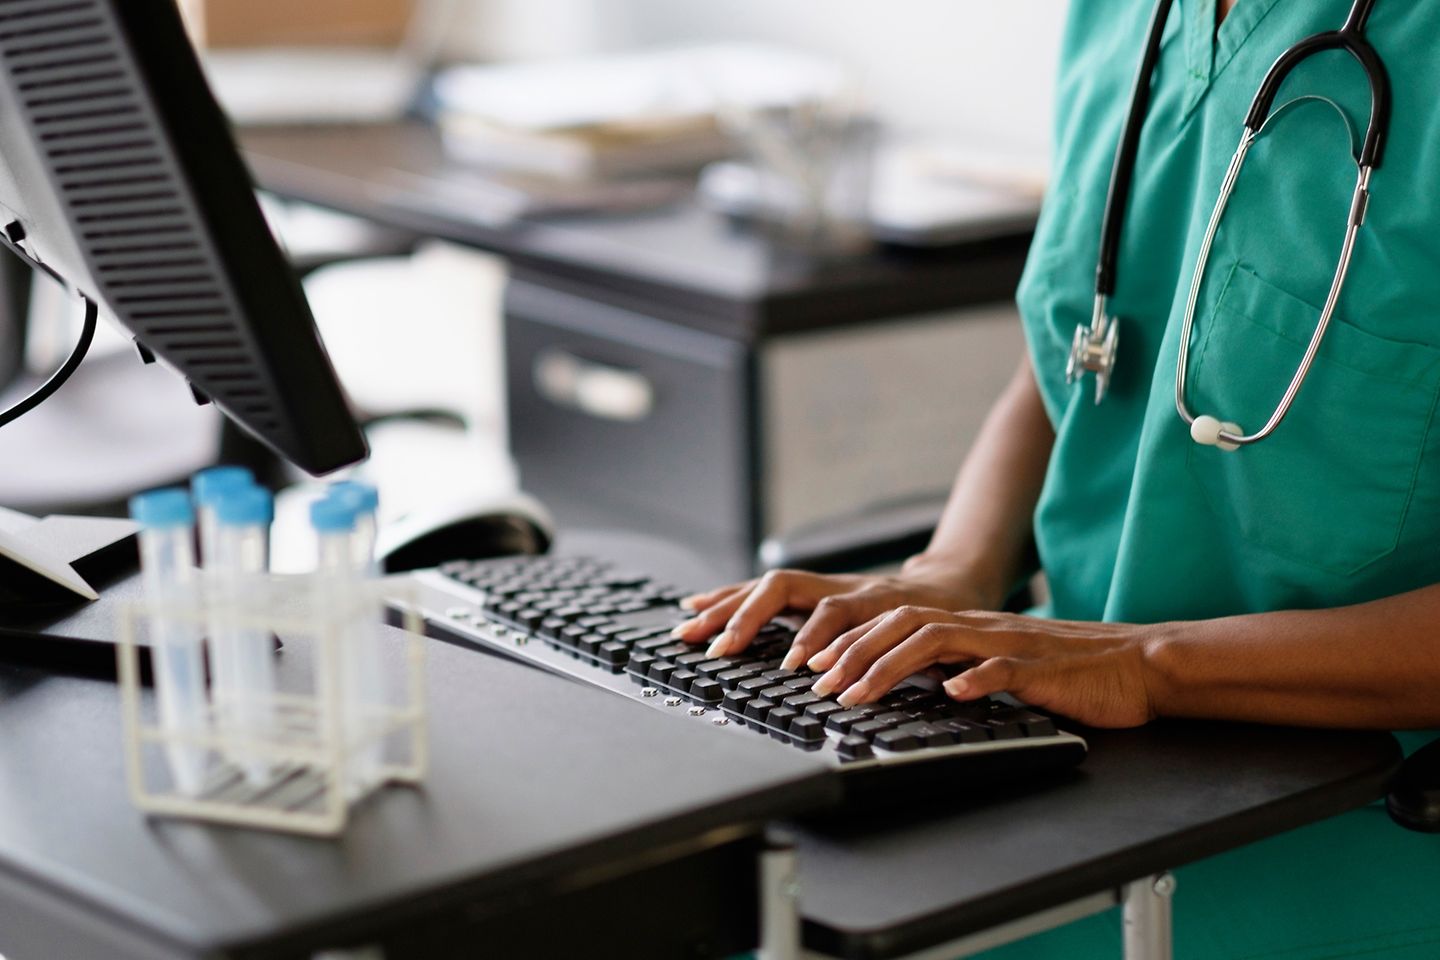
(1146, 906)
(779, 904)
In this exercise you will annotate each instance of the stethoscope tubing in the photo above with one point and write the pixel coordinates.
(1350, 38)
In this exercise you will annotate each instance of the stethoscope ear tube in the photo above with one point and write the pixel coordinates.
(1352, 41)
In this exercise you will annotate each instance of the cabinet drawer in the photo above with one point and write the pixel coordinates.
(625, 414)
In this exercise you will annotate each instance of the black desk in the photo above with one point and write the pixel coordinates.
(540, 799)
(713, 334)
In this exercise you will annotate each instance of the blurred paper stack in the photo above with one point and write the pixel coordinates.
(655, 116)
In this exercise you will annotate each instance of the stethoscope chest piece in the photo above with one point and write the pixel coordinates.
(1093, 348)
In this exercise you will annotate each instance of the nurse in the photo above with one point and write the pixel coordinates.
(1294, 581)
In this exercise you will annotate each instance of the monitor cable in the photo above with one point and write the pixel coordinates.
(58, 378)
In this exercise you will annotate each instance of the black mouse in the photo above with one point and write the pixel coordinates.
(461, 530)
(1414, 799)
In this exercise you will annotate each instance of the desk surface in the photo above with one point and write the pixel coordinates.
(716, 276)
(521, 795)
(1143, 801)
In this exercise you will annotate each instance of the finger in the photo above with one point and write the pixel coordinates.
(833, 616)
(996, 675)
(711, 621)
(826, 658)
(777, 591)
(889, 631)
(923, 648)
(697, 602)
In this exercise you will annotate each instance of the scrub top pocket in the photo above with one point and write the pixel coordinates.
(1330, 488)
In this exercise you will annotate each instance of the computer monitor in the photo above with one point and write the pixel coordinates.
(120, 177)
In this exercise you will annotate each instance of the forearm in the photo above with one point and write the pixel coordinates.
(1370, 665)
(985, 532)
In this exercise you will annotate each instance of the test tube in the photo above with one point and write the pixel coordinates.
(367, 698)
(365, 500)
(167, 560)
(333, 520)
(207, 487)
(241, 558)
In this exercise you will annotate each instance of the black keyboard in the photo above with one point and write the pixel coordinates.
(611, 628)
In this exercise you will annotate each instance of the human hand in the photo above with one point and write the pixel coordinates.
(1096, 673)
(836, 603)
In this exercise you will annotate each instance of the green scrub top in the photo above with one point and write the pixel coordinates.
(1342, 504)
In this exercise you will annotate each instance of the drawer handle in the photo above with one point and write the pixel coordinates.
(604, 392)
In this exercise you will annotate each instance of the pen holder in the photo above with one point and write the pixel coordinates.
(347, 719)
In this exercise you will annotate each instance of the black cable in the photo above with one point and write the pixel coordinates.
(43, 392)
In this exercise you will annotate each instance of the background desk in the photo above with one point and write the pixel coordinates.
(748, 391)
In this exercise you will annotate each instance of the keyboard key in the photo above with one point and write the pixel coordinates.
(661, 670)
(653, 644)
(897, 740)
(1005, 729)
(682, 678)
(1036, 725)
(823, 709)
(801, 683)
(674, 650)
(707, 690)
(842, 722)
(929, 735)
(713, 668)
(758, 709)
(869, 729)
(963, 730)
(799, 701)
(640, 661)
(754, 684)
(735, 701)
(808, 730)
(777, 692)
(893, 718)
(854, 748)
(690, 660)
(613, 653)
(781, 717)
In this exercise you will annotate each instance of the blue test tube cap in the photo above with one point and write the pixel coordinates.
(210, 485)
(170, 507)
(332, 515)
(362, 496)
(245, 507)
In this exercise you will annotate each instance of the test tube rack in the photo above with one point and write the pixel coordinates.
(308, 747)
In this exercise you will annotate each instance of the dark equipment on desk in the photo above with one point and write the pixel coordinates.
(610, 628)
(120, 179)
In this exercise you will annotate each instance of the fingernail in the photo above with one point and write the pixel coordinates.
(823, 686)
(679, 632)
(818, 662)
(956, 686)
(792, 660)
(687, 603)
(851, 697)
(720, 646)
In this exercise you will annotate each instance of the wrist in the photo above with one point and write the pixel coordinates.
(971, 585)
(1161, 654)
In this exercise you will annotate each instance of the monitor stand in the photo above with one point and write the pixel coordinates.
(62, 581)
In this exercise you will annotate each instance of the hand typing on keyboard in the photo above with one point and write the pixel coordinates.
(865, 635)
(835, 603)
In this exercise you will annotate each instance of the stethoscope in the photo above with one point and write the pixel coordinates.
(1094, 346)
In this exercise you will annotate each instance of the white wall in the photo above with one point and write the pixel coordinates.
(973, 67)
